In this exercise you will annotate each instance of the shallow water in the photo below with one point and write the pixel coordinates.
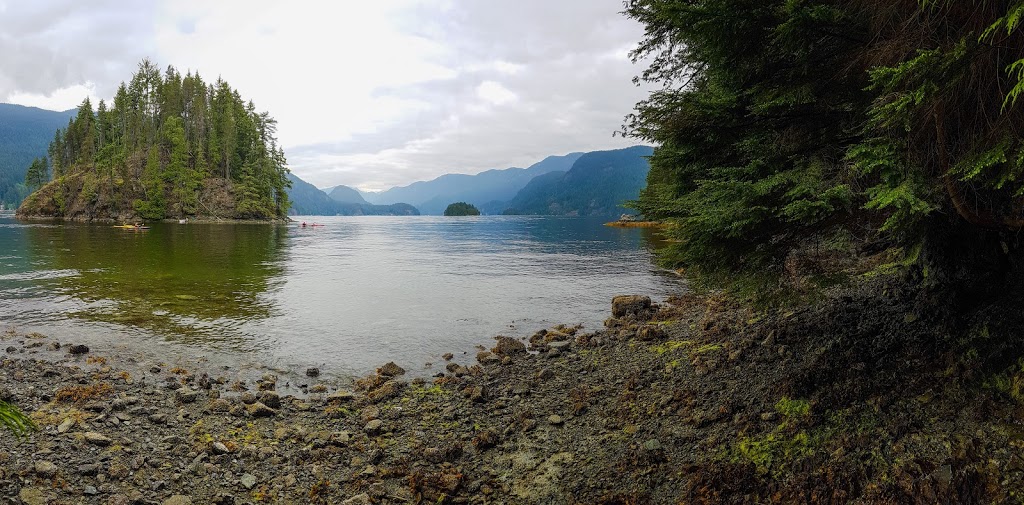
(347, 296)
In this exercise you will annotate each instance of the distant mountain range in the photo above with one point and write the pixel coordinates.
(576, 184)
(487, 190)
(25, 134)
(596, 185)
(585, 184)
(307, 200)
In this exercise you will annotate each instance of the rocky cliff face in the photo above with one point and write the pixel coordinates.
(86, 197)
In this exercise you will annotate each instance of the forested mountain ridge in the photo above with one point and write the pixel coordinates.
(169, 146)
(598, 184)
(307, 200)
(25, 133)
(487, 187)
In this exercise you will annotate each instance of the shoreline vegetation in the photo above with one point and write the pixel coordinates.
(700, 399)
(636, 224)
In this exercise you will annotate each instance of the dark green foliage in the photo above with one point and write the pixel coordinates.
(461, 209)
(167, 143)
(38, 173)
(784, 122)
(598, 184)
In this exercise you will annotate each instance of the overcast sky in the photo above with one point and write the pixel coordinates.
(368, 94)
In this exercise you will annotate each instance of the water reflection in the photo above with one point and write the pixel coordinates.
(192, 282)
(352, 294)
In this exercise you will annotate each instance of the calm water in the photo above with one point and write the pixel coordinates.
(347, 296)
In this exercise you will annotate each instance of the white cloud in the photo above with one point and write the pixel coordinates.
(59, 99)
(494, 93)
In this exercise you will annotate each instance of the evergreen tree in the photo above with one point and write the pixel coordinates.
(782, 122)
(166, 138)
(38, 174)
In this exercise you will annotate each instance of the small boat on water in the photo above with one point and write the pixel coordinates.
(131, 227)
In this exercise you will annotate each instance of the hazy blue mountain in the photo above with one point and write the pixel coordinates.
(25, 134)
(596, 185)
(307, 200)
(345, 194)
(431, 197)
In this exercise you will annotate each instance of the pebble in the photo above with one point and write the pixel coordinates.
(89, 469)
(186, 395)
(34, 496)
(260, 410)
(374, 426)
(652, 445)
(247, 480)
(65, 425)
(359, 499)
(178, 499)
(96, 438)
(270, 399)
(78, 349)
(220, 448)
(340, 396)
(45, 468)
(312, 372)
(90, 491)
(555, 419)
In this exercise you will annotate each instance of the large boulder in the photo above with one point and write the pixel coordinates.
(631, 306)
(508, 346)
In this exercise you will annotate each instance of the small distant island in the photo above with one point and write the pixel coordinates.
(461, 209)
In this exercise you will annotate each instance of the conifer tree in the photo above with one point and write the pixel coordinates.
(783, 123)
(165, 138)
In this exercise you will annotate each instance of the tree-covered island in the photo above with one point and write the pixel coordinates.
(461, 209)
(169, 146)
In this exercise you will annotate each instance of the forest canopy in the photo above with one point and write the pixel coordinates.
(168, 146)
(859, 125)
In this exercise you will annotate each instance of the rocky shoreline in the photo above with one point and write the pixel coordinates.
(695, 401)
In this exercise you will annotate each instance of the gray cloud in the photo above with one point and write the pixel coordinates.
(46, 46)
(527, 79)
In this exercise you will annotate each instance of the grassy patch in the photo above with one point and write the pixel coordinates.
(793, 410)
(671, 346)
